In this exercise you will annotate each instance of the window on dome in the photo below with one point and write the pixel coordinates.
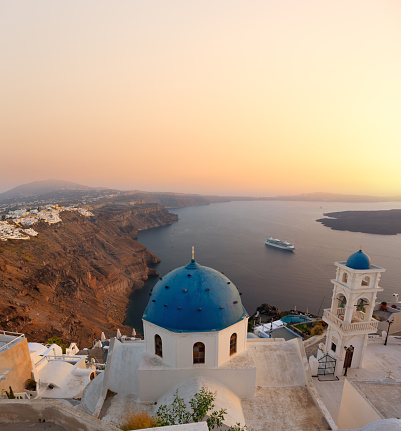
(233, 344)
(199, 353)
(345, 277)
(365, 281)
(158, 346)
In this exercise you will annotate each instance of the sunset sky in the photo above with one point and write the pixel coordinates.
(250, 97)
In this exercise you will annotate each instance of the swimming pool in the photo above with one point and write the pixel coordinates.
(294, 318)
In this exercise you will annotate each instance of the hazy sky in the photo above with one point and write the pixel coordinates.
(254, 97)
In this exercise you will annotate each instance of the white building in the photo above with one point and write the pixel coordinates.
(350, 318)
(59, 375)
(195, 335)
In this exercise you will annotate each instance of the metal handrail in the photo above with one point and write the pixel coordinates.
(65, 357)
(17, 337)
(10, 333)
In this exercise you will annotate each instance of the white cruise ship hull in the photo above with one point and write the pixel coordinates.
(289, 247)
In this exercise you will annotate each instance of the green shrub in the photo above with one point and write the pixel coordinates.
(58, 341)
(30, 384)
(201, 403)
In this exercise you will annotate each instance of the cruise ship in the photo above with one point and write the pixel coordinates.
(284, 245)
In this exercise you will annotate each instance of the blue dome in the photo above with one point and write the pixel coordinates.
(358, 260)
(194, 298)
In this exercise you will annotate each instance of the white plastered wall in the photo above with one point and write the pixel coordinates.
(359, 342)
(154, 382)
(178, 346)
(241, 329)
(355, 410)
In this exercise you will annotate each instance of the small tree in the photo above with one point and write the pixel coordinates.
(176, 414)
(30, 384)
(59, 342)
(202, 404)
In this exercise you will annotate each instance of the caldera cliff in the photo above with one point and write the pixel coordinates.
(74, 279)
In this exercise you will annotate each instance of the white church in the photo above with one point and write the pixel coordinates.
(350, 317)
(195, 335)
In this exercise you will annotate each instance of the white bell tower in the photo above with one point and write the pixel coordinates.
(350, 317)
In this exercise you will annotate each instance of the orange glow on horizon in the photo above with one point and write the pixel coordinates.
(234, 97)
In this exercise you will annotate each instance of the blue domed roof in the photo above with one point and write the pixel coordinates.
(194, 298)
(358, 260)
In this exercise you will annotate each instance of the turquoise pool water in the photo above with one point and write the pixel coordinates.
(294, 319)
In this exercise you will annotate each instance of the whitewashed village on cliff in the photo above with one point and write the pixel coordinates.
(21, 219)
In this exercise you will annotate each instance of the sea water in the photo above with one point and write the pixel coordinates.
(230, 237)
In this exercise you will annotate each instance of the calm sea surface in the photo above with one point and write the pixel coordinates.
(230, 237)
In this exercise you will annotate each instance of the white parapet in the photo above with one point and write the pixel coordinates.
(350, 328)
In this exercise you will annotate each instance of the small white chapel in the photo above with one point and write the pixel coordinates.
(195, 335)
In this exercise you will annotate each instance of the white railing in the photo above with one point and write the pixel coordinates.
(360, 315)
(340, 311)
(17, 338)
(44, 358)
(64, 358)
(362, 327)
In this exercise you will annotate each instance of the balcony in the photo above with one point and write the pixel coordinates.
(9, 339)
(354, 328)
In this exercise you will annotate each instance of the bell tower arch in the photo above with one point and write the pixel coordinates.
(349, 318)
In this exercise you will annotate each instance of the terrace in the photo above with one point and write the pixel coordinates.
(9, 339)
(358, 323)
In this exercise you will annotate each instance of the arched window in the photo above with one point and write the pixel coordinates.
(158, 346)
(199, 353)
(342, 301)
(233, 344)
(345, 277)
(365, 281)
(360, 305)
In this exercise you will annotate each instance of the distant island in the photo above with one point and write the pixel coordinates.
(333, 197)
(386, 222)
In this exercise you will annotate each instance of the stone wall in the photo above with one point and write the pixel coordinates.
(353, 401)
(52, 411)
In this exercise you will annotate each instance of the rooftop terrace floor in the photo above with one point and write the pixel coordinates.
(379, 360)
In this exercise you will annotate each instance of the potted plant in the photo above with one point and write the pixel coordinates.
(384, 305)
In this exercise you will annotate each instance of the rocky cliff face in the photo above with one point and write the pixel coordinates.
(74, 279)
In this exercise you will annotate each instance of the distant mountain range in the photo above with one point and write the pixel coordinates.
(49, 190)
(68, 190)
(39, 188)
